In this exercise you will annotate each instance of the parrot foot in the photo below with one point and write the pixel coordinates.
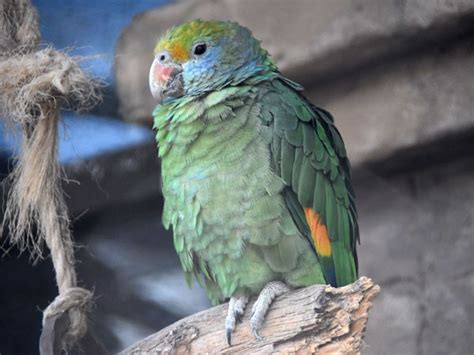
(260, 308)
(234, 314)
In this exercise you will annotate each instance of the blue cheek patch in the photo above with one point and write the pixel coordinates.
(198, 73)
(216, 69)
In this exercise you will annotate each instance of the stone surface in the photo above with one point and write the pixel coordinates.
(393, 106)
(417, 243)
(114, 178)
(395, 322)
(26, 290)
(448, 265)
(380, 67)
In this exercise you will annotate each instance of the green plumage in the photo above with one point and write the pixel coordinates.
(239, 166)
(314, 167)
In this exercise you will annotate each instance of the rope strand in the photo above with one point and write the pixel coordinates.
(35, 85)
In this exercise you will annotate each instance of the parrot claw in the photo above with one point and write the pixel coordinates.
(256, 334)
(228, 332)
(234, 314)
(260, 308)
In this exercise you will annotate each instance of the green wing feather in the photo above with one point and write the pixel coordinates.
(309, 155)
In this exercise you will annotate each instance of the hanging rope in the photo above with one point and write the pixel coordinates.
(35, 84)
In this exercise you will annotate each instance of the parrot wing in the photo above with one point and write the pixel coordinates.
(309, 155)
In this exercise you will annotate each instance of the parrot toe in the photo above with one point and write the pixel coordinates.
(234, 314)
(260, 308)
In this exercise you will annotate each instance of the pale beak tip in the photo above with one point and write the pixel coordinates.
(155, 87)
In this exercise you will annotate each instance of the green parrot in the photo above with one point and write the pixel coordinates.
(256, 180)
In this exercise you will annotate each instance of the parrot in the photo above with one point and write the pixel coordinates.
(255, 179)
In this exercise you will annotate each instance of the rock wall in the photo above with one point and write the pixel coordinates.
(417, 242)
(398, 77)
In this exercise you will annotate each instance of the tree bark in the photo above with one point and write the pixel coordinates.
(318, 319)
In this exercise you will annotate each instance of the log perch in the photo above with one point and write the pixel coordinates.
(317, 319)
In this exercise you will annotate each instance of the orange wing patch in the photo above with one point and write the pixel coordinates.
(319, 232)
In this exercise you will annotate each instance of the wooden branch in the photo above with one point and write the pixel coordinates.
(318, 319)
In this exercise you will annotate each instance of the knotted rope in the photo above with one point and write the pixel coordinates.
(35, 84)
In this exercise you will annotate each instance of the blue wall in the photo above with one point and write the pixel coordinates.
(89, 27)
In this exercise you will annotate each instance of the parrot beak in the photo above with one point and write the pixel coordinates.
(166, 80)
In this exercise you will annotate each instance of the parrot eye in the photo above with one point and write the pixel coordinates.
(200, 49)
(162, 57)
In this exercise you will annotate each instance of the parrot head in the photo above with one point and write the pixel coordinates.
(200, 56)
